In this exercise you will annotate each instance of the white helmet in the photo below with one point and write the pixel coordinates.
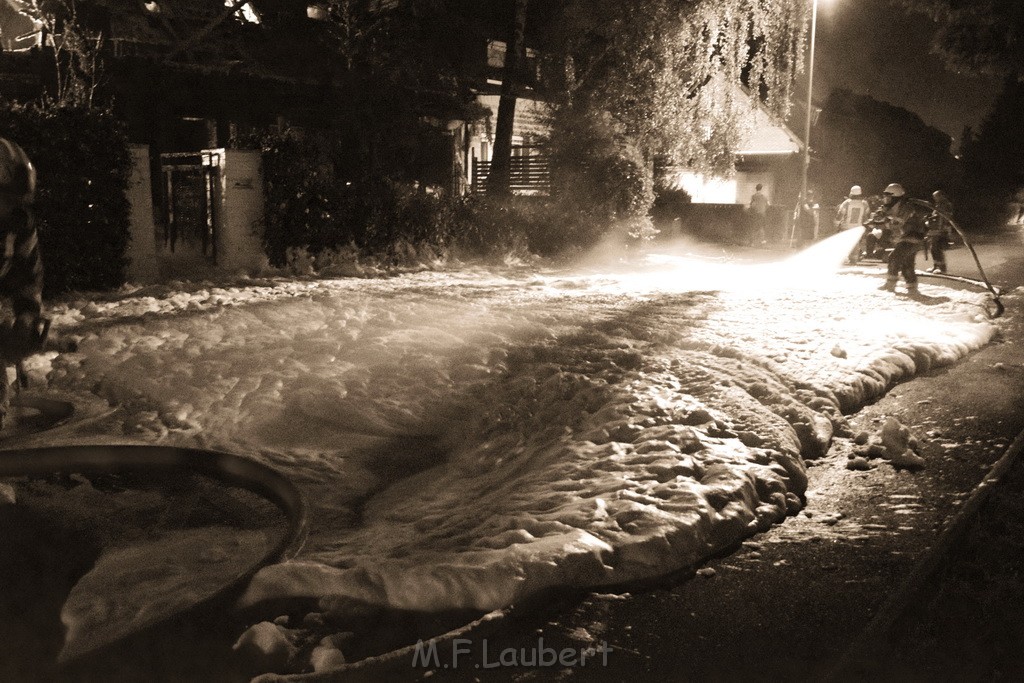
(894, 189)
(855, 191)
(17, 175)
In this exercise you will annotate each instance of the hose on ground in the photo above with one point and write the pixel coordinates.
(996, 294)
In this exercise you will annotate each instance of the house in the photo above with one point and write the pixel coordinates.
(770, 155)
(192, 78)
(531, 128)
(714, 208)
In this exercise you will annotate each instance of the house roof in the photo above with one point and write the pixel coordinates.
(768, 136)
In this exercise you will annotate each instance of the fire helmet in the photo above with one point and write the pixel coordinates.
(895, 190)
(855, 191)
(17, 175)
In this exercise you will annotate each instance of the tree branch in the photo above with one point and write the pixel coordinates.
(184, 45)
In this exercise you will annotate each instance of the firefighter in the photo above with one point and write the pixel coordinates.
(938, 231)
(21, 268)
(907, 223)
(877, 235)
(852, 213)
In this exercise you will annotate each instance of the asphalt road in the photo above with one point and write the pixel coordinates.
(794, 603)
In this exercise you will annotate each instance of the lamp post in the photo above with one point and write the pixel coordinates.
(807, 121)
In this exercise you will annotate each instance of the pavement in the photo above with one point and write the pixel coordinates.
(803, 601)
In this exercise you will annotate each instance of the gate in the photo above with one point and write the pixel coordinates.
(190, 185)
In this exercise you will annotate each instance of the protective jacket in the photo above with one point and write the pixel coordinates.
(907, 222)
(21, 268)
(938, 222)
(852, 213)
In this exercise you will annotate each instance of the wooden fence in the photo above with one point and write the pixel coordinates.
(527, 175)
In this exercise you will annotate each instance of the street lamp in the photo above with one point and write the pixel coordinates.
(807, 122)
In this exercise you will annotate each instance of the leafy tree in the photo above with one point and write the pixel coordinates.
(984, 37)
(630, 82)
(978, 36)
(871, 143)
(993, 160)
(672, 73)
(391, 70)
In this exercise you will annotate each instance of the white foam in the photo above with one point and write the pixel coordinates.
(468, 438)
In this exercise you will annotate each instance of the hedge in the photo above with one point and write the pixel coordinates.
(83, 165)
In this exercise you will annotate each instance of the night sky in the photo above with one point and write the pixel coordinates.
(874, 48)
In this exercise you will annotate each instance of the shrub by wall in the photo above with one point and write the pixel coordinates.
(83, 165)
(313, 208)
(304, 200)
(313, 205)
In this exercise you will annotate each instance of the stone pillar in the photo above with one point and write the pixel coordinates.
(240, 220)
(142, 260)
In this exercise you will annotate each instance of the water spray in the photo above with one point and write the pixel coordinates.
(996, 294)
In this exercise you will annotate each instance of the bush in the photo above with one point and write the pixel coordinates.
(597, 170)
(312, 205)
(83, 165)
(521, 226)
(304, 200)
(315, 213)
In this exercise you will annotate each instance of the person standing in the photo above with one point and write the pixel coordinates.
(806, 220)
(938, 231)
(21, 267)
(853, 213)
(759, 216)
(907, 222)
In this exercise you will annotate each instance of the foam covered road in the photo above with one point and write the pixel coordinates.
(788, 603)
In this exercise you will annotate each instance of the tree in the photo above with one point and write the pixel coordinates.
(635, 81)
(77, 48)
(982, 37)
(993, 160)
(871, 143)
(515, 54)
(673, 74)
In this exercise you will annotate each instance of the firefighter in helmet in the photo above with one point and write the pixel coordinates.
(23, 329)
(939, 231)
(907, 223)
(853, 213)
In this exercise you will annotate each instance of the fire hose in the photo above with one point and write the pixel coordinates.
(996, 294)
(232, 470)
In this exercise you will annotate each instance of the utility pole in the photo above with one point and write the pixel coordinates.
(802, 199)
